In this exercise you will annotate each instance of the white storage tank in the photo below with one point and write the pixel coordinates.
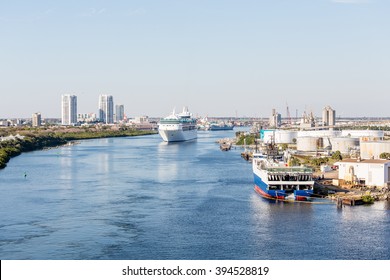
(285, 136)
(307, 144)
(279, 136)
(373, 149)
(344, 144)
(267, 135)
(319, 133)
(376, 134)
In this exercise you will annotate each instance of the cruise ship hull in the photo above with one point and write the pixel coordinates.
(177, 135)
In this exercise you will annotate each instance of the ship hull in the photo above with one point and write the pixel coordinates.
(262, 189)
(217, 128)
(177, 135)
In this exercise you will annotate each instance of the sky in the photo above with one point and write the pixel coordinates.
(220, 58)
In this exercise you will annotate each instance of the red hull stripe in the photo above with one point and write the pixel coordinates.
(266, 195)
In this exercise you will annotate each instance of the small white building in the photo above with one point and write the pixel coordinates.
(374, 172)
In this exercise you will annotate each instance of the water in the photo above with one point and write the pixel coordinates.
(140, 198)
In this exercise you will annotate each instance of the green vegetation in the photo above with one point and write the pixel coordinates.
(46, 137)
(284, 147)
(13, 148)
(248, 139)
(384, 155)
(319, 161)
(337, 155)
(294, 161)
(368, 199)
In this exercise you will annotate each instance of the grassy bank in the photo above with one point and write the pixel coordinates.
(46, 137)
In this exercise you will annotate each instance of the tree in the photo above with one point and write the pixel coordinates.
(294, 162)
(384, 155)
(284, 147)
(337, 155)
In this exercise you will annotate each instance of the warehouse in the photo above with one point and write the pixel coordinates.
(373, 172)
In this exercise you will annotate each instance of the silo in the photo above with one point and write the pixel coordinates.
(344, 144)
(307, 143)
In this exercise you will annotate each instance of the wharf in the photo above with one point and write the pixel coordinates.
(350, 201)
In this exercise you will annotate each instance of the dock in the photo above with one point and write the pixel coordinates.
(225, 146)
(350, 201)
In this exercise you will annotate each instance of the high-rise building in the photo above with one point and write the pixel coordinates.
(106, 109)
(328, 116)
(119, 113)
(69, 109)
(36, 119)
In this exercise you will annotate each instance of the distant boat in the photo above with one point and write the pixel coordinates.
(178, 127)
(221, 126)
(275, 180)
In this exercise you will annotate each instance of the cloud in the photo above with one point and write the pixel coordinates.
(93, 12)
(137, 12)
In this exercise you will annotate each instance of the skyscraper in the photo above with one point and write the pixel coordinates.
(106, 109)
(69, 109)
(119, 113)
(36, 119)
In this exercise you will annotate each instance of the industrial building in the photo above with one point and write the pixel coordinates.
(372, 172)
(328, 116)
(276, 119)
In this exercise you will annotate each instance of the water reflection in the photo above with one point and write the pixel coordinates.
(167, 161)
(65, 165)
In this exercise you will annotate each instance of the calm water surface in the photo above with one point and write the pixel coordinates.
(140, 198)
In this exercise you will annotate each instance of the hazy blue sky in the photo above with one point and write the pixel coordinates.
(221, 58)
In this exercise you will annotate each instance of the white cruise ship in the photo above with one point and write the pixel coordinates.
(178, 127)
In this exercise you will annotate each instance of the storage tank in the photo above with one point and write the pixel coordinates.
(344, 144)
(285, 136)
(267, 134)
(279, 136)
(307, 144)
(373, 149)
(376, 134)
(319, 133)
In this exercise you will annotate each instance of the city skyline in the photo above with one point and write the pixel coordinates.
(219, 58)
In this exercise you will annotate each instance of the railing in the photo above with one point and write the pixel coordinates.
(289, 170)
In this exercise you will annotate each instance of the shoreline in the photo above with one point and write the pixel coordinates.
(28, 140)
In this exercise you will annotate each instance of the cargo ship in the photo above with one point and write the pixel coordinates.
(274, 179)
